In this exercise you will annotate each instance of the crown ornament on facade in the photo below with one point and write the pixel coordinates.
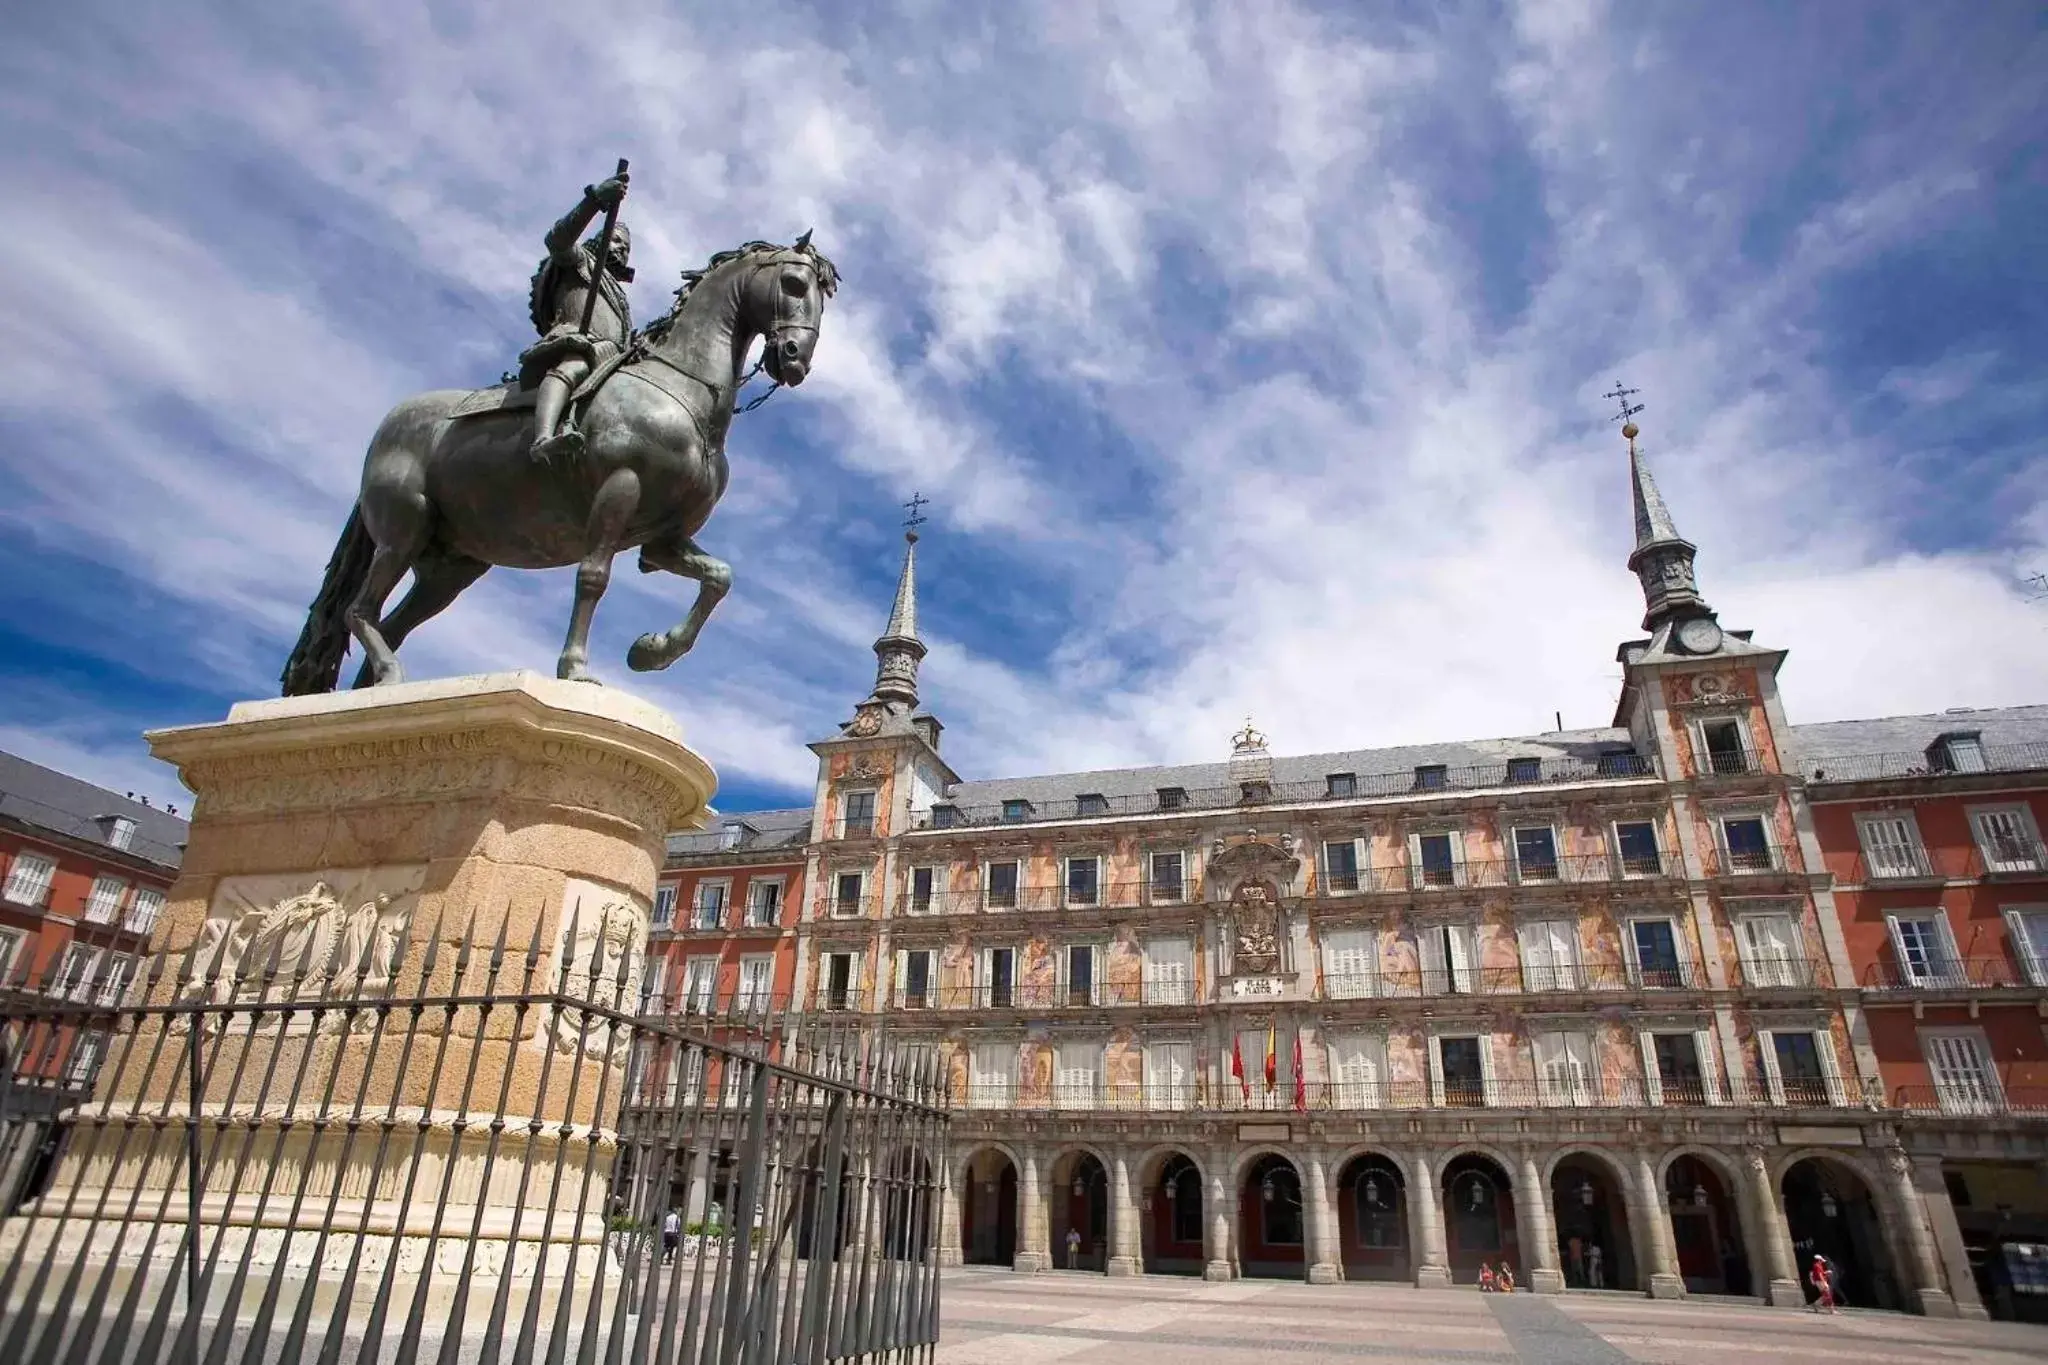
(1247, 740)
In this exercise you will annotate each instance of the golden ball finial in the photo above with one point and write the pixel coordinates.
(1628, 431)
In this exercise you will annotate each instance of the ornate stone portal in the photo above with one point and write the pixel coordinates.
(1249, 875)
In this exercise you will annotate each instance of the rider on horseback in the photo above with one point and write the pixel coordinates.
(566, 353)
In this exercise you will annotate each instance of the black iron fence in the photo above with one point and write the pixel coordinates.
(455, 1150)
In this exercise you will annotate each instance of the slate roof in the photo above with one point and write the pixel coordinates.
(762, 831)
(50, 800)
(2010, 736)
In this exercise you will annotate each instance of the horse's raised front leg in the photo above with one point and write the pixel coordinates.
(679, 555)
(618, 497)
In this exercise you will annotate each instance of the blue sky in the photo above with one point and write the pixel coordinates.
(1250, 353)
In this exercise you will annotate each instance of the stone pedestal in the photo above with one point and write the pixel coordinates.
(480, 837)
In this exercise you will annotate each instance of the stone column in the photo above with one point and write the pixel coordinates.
(1432, 1261)
(1780, 1268)
(952, 1250)
(1923, 1264)
(1326, 1263)
(1654, 1244)
(1033, 1238)
(1222, 1216)
(1538, 1228)
(1948, 1237)
(1126, 1252)
(699, 1197)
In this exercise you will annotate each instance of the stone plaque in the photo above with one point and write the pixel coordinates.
(1816, 1136)
(1264, 1132)
(1245, 986)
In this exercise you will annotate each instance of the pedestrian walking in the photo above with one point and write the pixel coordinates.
(671, 1234)
(1823, 1285)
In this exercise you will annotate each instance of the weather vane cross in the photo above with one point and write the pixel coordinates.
(1628, 410)
(918, 502)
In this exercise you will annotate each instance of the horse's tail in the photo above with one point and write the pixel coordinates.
(315, 664)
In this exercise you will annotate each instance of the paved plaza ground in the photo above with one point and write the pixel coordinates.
(993, 1317)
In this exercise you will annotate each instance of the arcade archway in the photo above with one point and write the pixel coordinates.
(1372, 1219)
(909, 1200)
(1172, 1208)
(1271, 1221)
(1587, 1202)
(1479, 1217)
(1706, 1228)
(988, 1209)
(1830, 1210)
(1079, 1204)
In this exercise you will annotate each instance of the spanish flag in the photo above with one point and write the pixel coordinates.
(1272, 1057)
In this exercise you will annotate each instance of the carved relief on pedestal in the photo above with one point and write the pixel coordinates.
(602, 940)
(337, 934)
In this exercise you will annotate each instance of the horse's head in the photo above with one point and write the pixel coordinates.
(783, 298)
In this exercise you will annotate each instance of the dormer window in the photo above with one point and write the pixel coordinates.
(1342, 784)
(1255, 791)
(1091, 803)
(1525, 770)
(1431, 777)
(945, 817)
(1961, 753)
(1173, 798)
(120, 830)
(730, 834)
(1016, 808)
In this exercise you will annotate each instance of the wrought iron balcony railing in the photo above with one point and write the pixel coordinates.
(1042, 896)
(1769, 972)
(1997, 758)
(1411, 983)
(1737, 862)
(835, 906)
(1972, 1099)
(1952, 974)
(1730, 763)
(2010, 858)
(1511, 773)
(1252, 1095)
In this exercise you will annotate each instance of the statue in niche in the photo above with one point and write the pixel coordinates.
(1255, 936)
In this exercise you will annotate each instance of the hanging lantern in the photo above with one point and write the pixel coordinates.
(1372, 1191)
(1266, 1189)
(1586, 1192)
(1079, 1188)
(1478, 1188)
(1828, 1206)
(1699, 1196)
(1173, 1189)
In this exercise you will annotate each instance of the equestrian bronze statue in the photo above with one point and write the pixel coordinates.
(606, 440)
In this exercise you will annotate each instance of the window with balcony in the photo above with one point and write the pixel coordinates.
(1678, 1068)
(1169, 879)
(28, 879)
(999, 885)
(2007, 838)
(1654, 961)
(1016, 808)
(991, 1075)
(707, 911)
(1340, 866)
(1431, 777)
(1536, 853)
(1565, 1073)
(1446, 951)
(1461, 1068)
(1965, 1082)
(1746, 842)
(103, 905)
(1635, 841)
(1799, 1067)
(700, 984)
(11, 960)
(1550, 955)
(1077, 1074)
(840, 980)
(1891, 845)
(1169, 971)
(848, 889)
(764, 902)
(857, 815)
(2028, 926)
(1078, 972)
(1958, 753)
(654, 985)
(1342, 785)
(757, 981)
(1925, 949)
(142, 912)
(664, 905)
(945, 816)
(1350, 963)
(1436, 859)
(1172, 798)
(1522, 770)
(915, 974)
(113, 979)
(923, 885)
(1091, 803)
(1769, 945)
(1084, 880)
(1723, 747)
(1358, 1070)
(1170, 1079)
(996, 976)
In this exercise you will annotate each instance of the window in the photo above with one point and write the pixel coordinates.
(1169, 971)
(28, 880)
(2005, 836)
(1172, 798)
(914, 976)
(1077, 967)
(1342, 784)
(1800, 1067)
(1169, 877)
(999, 882)
(2028, 927)
(10, 944)
(757, 982)
(1436, 859)
(1653, 958)
(1957, 754)
(654, 985)
(997, 978)
(1257, 790)
(1564, 1069)
(1636, 840)
(85, 1059)
(847, 894)
(991, 1075)
(1770, 952)
(700, 984)
(74, 972)
(1446, 952)
(1747, 844)
(1536, 853)
(1084, 881)
(1016, 808)
(664, 905)
(1525, 770)
(1091, 803)
(1077, 1074)
(1170, 1079)
(709, 909)
(144, 909)
(857, 815)
(923, 880)
(1926, 952)
(113, 980)
(1964, 1080)
(841, 980)
(1431, 777)
(1463, 1069)
(1358, 1071)
(1725, 752)
(1350, 964)
(1891, 846)
(120, 832)
(1550, 955)
(104, 903)
(764, 902)
(730, 834)
(945, 816)
(1340, 866)
(1678, 1068)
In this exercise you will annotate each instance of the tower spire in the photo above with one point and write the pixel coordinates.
(899, 650)
(1662, 559)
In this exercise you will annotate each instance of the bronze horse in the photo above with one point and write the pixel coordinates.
(448, 495)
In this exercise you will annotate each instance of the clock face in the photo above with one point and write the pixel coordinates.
(1699, 636)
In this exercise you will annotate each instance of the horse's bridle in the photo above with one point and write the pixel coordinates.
(770, 336)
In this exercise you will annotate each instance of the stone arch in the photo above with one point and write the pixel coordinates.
(1146, 1164)
(1076, 1194)
(1715, 1239)
(908, 1180)
(1851, 1222)
(1480, 1223)
(1726, 1166)
(1599, 1221)
(1376, 1239)
(1172, 1194)
(988, 1175)
(1270, 1185)
(1242, 1161)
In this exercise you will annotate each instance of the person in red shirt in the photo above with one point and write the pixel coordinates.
(1823, 1285)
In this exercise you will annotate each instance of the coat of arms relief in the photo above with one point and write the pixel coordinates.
(1250, 874)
